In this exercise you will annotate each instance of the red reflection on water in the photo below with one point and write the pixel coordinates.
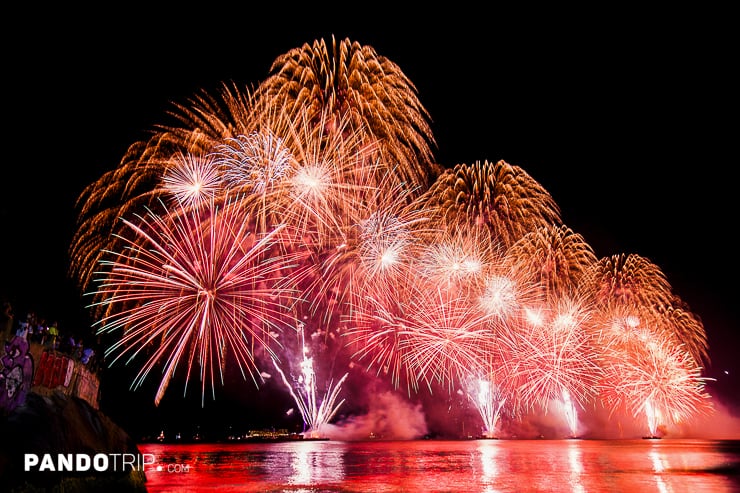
(488, 466)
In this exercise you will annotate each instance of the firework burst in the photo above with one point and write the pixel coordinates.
(656, 379)
(498, 197)
(256, 167)
(639, 286)
(459, 260)
(428, 336)
(192, 289)
(372, 257)
(350, 79)
(551, 357)
(336, 170)
(553, 258)
(626, 279)
(200, 125)
(316, 197)
(193, 180)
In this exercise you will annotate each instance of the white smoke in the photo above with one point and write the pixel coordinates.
(390, 417)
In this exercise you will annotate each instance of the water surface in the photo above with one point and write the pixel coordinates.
(664, 466)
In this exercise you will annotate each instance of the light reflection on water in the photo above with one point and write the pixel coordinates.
(490, 466)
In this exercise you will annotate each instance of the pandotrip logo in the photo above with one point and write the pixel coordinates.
(110, 463)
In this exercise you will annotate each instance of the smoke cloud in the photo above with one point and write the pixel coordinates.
(390, 417)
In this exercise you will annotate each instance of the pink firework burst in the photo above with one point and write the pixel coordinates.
(650, 375)
(551, 357)
(426, 336)
(192, 288)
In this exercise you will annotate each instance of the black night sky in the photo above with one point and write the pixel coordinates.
(627, 120)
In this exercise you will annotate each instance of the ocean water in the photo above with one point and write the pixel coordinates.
(570, 465)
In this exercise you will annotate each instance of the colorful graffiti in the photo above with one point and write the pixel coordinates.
(16, 373)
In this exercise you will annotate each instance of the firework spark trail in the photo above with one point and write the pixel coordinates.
(489, 401)
(685, 328)
(571, 412)
(654, 417)
(191, 287)
(316, 412)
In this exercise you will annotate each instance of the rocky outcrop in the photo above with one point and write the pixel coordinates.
(37, 432)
